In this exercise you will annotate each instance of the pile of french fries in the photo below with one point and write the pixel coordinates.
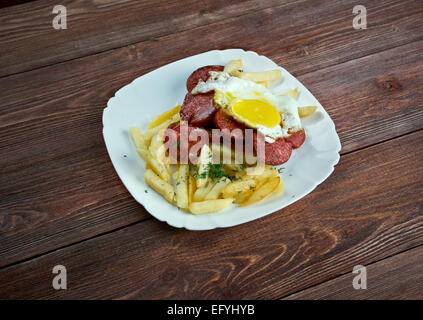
(197, 193)
(194, 192)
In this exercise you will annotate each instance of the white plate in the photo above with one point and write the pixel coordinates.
(147, 96)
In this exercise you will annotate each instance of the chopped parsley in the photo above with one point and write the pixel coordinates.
(214, 171)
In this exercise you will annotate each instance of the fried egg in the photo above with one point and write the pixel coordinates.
(253, 105)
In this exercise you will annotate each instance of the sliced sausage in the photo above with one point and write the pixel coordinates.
(198, 110)
(275, 153)
(224, 121)
(296, 139)
(201, 73)
(191, 149)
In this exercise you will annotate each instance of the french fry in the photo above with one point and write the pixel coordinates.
(163, 117)
(175, 174)
(153, 131)
(140, 143)
(268, 172)
(233, 67)
(291, 93)
(209, 206)
(234, 169)
(201, 193)
(280, 189)
(157, 148)
(243, 196)
(159, 168)
(234, 189)
(306, 111)
(271, 75)
(204, 160)
(217, 189)
(182, 187)
(262, 191)
(191, 189)
(160, 186)
(137, 137)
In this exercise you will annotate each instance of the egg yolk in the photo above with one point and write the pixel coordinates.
(257, 112)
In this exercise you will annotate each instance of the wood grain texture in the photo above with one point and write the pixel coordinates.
(9, 3)
(98, 25)
(57, 185)
(366, 98)
(306, 34)
(394, 278)
(374, 211)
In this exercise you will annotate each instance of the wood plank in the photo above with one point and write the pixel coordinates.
(374, 211)
(366, 97)
(96, 26)
(395, 278)
(57, 183)
(9, 3)
(308, 35)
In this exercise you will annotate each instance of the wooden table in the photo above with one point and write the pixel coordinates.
(62, 203)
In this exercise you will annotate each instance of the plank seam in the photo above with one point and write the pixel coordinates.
(343, 274)
(150, 38)
(70, 244)
(207, 24)
(379, 142)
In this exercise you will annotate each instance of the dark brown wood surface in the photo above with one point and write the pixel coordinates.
(61, 201)
(312, 241)
(397, 277)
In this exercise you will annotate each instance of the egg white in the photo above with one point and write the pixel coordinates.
(230, 89)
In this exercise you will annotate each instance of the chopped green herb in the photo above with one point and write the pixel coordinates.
(145, 191)
(215, 171)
